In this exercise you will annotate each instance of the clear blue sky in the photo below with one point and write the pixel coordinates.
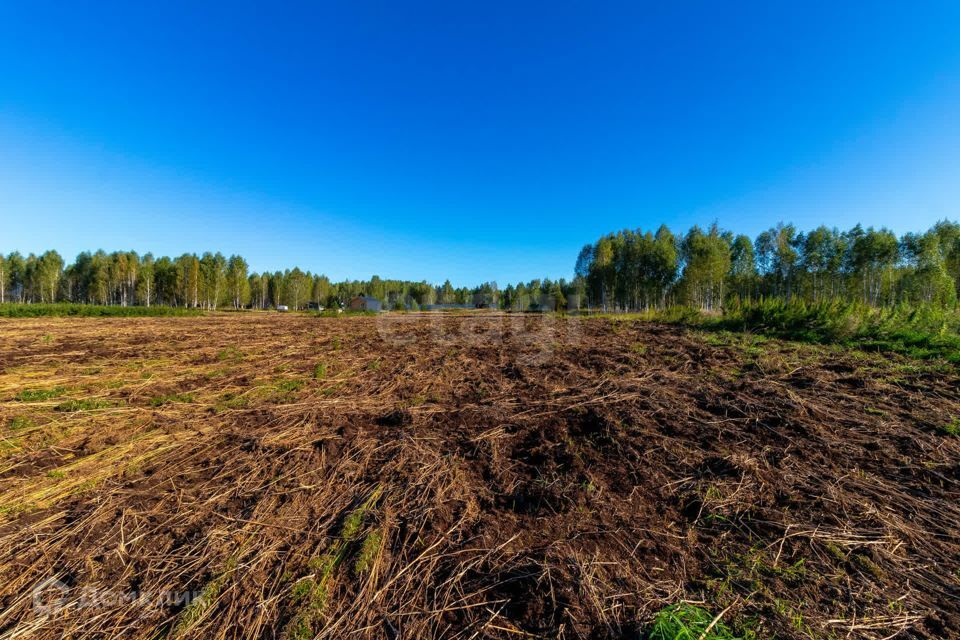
(475, 140)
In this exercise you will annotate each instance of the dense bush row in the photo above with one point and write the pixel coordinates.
(922, 331)
(16, 310)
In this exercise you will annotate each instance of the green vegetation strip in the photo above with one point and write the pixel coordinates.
(13, 310)
(39, 395)
(923, 332)
(195, 611)
(314, 591)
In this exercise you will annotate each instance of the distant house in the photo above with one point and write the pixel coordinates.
(364, 303)
(282, 307)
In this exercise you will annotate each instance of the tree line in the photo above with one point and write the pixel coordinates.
(212, 280)
(627, 270)
(706, 268)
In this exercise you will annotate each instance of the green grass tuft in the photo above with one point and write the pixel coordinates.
(290, 386)
(369, 551)
(39, 395)
(231, 401)
(230, 353)
(687, 622)
(953, 428)
(20, 422)
(175, 398)
(87, 404)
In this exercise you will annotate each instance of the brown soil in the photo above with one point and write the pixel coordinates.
(476, 476)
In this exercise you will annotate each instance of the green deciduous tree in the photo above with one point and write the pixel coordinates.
(238, 287)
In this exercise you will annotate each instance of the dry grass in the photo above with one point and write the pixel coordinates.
(479, 476)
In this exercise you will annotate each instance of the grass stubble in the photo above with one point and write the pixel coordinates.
(317, 477)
